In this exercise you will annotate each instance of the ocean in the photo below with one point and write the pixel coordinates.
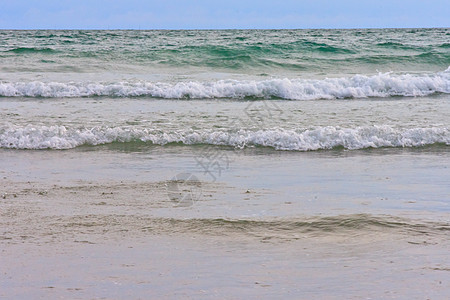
(225, 163)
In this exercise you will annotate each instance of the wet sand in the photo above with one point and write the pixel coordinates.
(327, 225)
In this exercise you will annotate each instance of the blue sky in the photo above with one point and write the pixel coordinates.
(204, 14)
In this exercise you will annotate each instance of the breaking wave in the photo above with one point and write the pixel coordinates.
(358, 86)
(330, 137)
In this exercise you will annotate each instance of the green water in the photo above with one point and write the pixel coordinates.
(252, 52)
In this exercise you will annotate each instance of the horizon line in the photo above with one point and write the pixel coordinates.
(206, 29)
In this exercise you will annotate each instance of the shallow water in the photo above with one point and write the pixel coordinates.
(290, 224)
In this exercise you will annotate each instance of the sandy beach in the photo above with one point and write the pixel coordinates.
(86, 234)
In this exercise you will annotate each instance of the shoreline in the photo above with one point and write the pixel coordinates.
(101, 225)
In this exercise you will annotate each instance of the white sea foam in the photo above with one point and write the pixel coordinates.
(60, 137)
(359, 86)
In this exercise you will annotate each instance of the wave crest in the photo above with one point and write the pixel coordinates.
(359, 86)
(59, 137)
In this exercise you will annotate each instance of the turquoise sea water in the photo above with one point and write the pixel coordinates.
(287, 53)
(286, 67)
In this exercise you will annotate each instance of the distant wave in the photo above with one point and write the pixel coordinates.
(238, 51)
(358, 86)
(60, 137)
(30, 50)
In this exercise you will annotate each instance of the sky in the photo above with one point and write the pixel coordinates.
(222, 14)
